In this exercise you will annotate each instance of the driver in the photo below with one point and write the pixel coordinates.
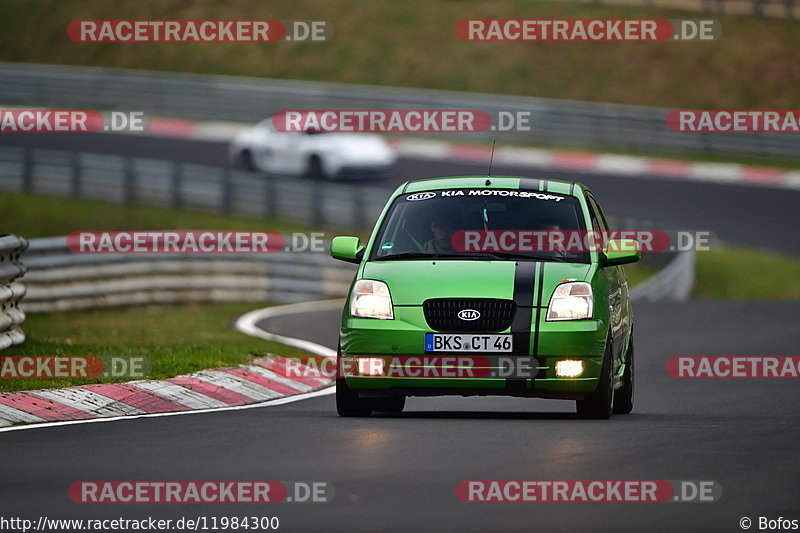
(555, 236)
(443, 225)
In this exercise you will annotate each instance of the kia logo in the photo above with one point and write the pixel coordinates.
(469, 314)
(420, 196)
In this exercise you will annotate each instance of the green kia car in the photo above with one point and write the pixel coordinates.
(487, 286)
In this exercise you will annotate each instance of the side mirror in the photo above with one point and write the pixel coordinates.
(347, 249)
(621, 252)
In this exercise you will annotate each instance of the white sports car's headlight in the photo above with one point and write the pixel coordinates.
(371, 299)
(571, 301)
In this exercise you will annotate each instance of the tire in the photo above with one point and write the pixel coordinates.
(315, 171)
(623, 398)
(599, 404)
(395, 404)
(348, 403)
(245, 161)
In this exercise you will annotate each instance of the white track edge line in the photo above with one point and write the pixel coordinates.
(245, 324)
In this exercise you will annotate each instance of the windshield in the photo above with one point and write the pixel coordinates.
(476, 223)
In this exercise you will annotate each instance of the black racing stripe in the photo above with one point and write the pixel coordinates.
(538, 311)
(544, 185)
(530, 184)
(405, 187)
(571, 189)
(524, 283)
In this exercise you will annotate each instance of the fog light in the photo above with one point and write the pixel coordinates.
(370, 366)
(569, 368)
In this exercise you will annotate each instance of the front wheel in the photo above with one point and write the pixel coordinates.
(599, 404)
(348, 403)
(623, 399)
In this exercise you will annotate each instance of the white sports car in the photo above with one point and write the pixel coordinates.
(314, 154)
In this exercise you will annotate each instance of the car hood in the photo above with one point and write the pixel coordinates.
(412, 282)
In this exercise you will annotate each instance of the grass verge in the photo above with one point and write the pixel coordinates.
(638, 272)
(746, 274)
(413, 43)
(177, 340)
(38, 215)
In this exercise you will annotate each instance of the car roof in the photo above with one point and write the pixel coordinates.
(495, 182)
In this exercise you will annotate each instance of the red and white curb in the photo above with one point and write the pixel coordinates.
(571, 161)
(264, 381)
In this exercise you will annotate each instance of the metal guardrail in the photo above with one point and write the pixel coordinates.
(554, 122)
(673, 283)
(59, 280)
(674, 280)
(11, 290)
(163, 183)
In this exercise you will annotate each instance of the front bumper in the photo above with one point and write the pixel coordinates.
(398, 339)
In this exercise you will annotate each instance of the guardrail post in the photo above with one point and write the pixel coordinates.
(129, 181)
(11, 290)
(713, 6)
(27, 170)
(270, 202)
(317, 197)
(176, 200)
(75, 175)
(227, 189)
(357, 210)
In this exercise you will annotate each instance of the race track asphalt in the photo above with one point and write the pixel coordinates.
(399, 473)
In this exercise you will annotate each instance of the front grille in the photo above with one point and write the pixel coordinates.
(495, 314)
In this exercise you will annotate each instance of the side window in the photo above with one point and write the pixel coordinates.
(593, 215)
(598, 220)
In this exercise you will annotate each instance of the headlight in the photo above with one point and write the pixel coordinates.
(571, 301)
(371, 299)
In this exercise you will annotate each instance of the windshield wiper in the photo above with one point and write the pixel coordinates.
(530, 257)
(425, 255)
(477, 255)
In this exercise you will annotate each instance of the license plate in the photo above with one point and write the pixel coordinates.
(468, 342)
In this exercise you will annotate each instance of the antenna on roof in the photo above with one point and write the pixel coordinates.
(491, 160)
